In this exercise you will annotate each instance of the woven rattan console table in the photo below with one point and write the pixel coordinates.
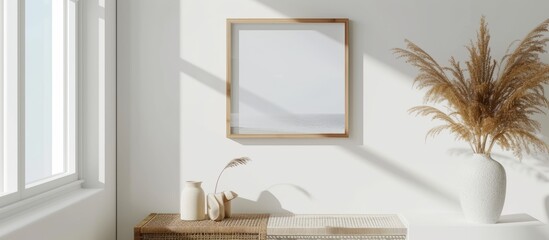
(264, 226)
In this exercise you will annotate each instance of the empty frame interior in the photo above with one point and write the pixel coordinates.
(287, 78)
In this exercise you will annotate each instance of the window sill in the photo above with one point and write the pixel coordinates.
(25, 212)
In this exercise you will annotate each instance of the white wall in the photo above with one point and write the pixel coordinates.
(171, 111)
(147, 110)
(88, 214)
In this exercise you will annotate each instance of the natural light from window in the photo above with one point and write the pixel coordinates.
(49, 92)
(38, 97)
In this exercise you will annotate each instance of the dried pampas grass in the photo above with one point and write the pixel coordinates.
(489, 102)
(233, 163)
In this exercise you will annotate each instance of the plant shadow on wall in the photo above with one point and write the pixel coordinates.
(353, 144)
(267, 201)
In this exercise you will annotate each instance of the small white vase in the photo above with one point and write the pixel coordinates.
(193, 203)
(483, 186)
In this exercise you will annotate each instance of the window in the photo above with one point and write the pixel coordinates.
(38, 97)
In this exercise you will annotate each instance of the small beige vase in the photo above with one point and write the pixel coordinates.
(193, 202)
(219, 205)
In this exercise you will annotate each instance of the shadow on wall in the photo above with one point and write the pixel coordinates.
(353, 144)
(266, 203)
(402, 174)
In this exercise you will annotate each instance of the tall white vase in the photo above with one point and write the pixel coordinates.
(193, 203)
(483, 188)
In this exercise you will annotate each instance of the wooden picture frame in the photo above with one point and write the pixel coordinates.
(288, 78)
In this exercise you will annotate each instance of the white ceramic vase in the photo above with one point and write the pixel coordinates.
(219, 205)
(193, 203)
(483, 186)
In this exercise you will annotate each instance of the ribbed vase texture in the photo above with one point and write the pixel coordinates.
(483, 188)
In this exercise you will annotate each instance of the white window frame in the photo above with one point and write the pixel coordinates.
(13, 71)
